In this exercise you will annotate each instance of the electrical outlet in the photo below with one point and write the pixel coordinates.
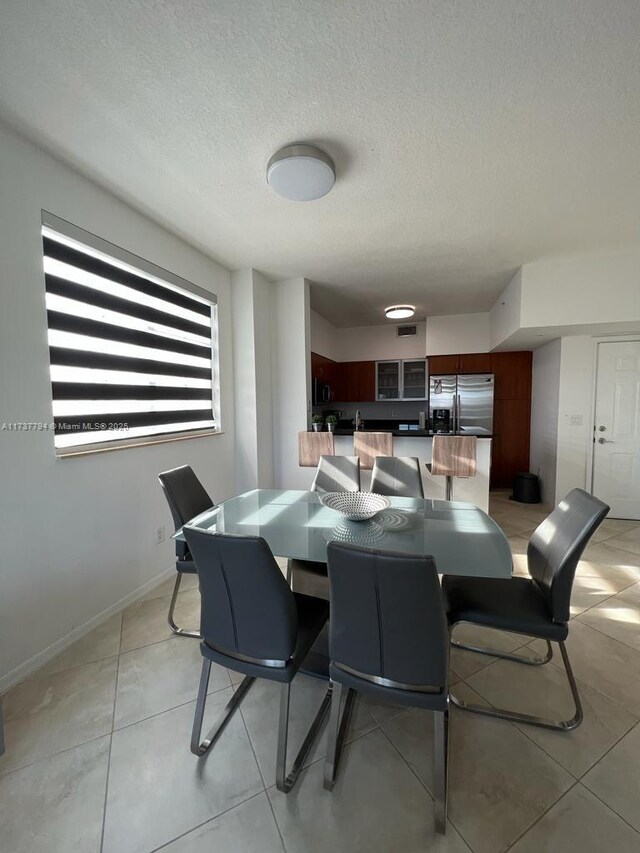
(575, 420)
(394, 413)
(160, 535)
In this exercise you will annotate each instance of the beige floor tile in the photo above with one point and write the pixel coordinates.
(616, 780)
(260, 711)
(610, 555)
(145, 622)
(618, 617)
(591, 590)
(56, 804)
(544, 692)
(158, 790)
(499, 783)
(161, 676)
(610, 667)
(47, 714)
(613, 527)
(465, 663)
(377, 806)
(103, 642)
(629, 541)
(247, 828)
(579, 821)
(188, 582)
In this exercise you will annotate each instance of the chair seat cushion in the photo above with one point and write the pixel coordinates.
(510, 604)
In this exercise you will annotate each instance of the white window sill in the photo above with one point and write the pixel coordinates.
(124, 443)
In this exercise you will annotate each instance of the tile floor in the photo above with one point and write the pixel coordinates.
(98, 742)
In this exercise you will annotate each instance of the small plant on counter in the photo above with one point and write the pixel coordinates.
(332, 420)
(317, 421)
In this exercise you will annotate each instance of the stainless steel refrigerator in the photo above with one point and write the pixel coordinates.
(461, 404)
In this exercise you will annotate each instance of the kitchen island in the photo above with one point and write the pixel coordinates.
(475, 490)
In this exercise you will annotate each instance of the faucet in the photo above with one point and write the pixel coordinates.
(357, 420)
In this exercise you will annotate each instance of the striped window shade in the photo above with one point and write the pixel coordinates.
(133, 355)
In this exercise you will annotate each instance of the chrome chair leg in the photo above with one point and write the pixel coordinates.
(529, 719)
(494, 653)
(338, 728)
(181, 632)
(286, 782)
(441, 766)
(199, 747)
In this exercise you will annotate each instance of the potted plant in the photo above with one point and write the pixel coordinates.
(332, 420)
(317, 422)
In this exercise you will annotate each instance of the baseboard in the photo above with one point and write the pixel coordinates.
(34, 663)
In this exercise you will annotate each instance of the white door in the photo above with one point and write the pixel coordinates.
(616, 449)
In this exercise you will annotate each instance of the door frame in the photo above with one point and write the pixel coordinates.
(604, 339)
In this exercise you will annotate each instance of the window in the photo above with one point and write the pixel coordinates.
(132, 348)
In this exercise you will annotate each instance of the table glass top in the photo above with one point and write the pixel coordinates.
(460, 536)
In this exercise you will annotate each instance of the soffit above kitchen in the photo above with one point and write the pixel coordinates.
(468, 138)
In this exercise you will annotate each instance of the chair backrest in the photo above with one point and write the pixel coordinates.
(247, 606)
(387, 617)
(185, 494)
(337, 474)
(397, 475)
(556, 546)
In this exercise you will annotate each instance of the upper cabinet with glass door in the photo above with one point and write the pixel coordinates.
(388, 384)
(414, 379)
(401, 380)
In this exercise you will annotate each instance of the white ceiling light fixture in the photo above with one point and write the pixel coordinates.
(400, 312)
(301, 172)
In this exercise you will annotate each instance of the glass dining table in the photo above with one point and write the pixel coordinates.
(462, 538)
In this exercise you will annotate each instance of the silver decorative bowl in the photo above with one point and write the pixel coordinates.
(356, 506)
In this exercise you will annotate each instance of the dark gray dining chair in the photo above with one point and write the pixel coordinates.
(187, 497)
(538, 605)
(388, 638)
(334, 474)
(397, 476)
(337, 474)
(252, 623)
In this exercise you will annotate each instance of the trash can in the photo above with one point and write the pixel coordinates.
(526, 489)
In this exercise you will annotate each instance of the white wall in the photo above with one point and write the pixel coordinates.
(376, 343)
(78, 533)
(458, 333)
(506, 312)
(602, 287)
(323, 337)
(251, 296)
(291, 378)
(544, 418)
(575, 400)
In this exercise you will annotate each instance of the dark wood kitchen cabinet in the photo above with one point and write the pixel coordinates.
(321, 367)
(511, 415)
(512, 371)
(475, 362)
(442, 364)
(355, 382)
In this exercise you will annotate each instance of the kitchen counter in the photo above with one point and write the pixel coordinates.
(404, 433)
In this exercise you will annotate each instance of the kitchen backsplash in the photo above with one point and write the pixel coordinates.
(377, 411)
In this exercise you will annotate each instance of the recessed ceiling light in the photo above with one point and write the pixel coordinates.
(400, 312)
(301, 172)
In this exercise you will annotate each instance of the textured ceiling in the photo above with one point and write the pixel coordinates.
(469, 137)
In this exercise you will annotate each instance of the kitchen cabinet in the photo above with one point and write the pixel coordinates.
(401, 380)
(353, 382)
(388, 386)
(440, 365)
(512, 371)
(475, 362)
(321, 367)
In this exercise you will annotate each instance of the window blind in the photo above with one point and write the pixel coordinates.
(131, 355)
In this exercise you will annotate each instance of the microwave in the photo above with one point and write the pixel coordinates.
(321, 392)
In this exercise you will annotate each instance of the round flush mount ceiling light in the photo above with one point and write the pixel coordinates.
(301, 172)
(400, 312)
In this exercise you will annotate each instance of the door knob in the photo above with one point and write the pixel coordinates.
(602, 428)
(605, 441)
